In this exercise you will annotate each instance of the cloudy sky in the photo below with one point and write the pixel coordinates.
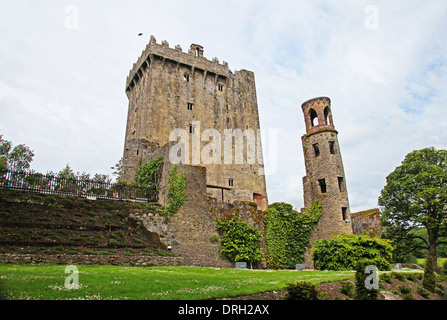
(383, 64)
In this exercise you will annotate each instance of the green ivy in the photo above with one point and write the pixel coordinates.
(240, 241)
(343, 251)
(148, 174)
(287, 233)
(176, 195)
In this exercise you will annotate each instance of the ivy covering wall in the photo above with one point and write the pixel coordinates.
(176, 195)
(287, 233)
(240, 241)
(148, 174)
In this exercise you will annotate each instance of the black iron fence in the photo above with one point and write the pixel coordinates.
(90, 188)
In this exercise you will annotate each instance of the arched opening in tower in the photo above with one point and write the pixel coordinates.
(313, 117)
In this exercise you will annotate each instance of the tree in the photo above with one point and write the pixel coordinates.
(66, 173)
(101, 178)
(415, 196)
(5, 147)
(118, 169)
(19, 159)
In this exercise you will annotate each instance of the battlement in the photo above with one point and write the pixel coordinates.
(193, 58)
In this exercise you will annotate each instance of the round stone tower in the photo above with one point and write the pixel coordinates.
(325, 177)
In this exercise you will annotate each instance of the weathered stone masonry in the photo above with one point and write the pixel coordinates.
(325, 179)
(169, 89)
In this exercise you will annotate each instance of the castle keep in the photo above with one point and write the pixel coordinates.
(208, 113)
(325, 177)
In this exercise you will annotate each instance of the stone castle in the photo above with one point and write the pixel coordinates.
(199, 114)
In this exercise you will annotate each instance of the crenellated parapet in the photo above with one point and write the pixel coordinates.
(193, 58)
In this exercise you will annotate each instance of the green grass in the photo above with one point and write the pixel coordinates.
(178, 283)
(441, 261)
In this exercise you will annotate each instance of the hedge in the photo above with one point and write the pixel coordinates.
(342, 252)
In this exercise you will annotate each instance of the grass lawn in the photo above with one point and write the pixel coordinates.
(47, 282)
(441, 261)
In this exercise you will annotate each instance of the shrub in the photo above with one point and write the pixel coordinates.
(429, 278)
(412, 276)
(398, 275)
(301, 290)
(387, 277)
(361, 290)
(406, 293)
(342, 252)
(424, 293)
(347, 288)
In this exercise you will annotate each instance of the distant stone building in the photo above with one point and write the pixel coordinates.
(207, 111)
(367, 222)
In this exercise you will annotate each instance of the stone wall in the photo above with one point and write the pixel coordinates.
(191, 233)
(138, 261)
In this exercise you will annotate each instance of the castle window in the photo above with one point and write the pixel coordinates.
(344, 212)
(313, 117)
(340, 184)
(332, 147)
(138, 151)
(316, 149)
(191, 128)
(186, 77)
(220, 86)
(189, 105)
(322, 183)
(230, 182)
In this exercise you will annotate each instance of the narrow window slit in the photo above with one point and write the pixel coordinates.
(322, 183)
